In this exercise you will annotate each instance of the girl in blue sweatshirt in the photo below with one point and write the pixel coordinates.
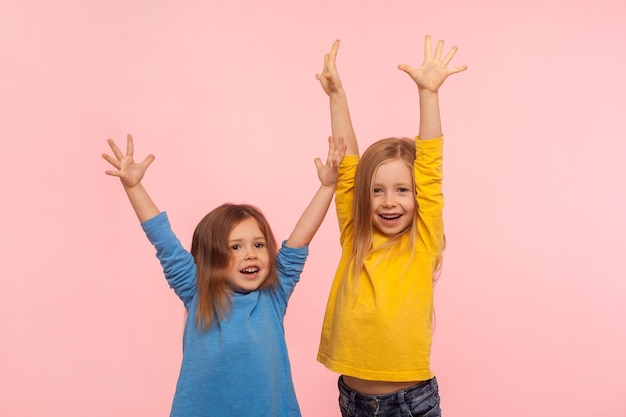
(235, 284)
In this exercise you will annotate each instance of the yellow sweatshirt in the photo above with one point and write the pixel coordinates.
(382, 329)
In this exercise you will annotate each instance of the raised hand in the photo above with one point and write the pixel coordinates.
(313, 215)
(327, 172)
(127, 170)
(434, 70)
(329, 78)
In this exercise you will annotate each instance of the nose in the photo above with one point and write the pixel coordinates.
(250, 254)
(389, 202)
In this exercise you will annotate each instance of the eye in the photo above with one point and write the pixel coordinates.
(235, 246)
(403, 190)
(259, 245)
(377, 190)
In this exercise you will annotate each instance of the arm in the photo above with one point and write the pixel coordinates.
(314, 214)
(130, 174)
(178, 264)
(429, 77)
(341, 124)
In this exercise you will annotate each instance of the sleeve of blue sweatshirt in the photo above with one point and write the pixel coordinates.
(177, 263)
(290, 263)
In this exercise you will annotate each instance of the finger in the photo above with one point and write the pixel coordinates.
(438, 49)
(450, 54)
(427, 48)
(331, 162)
(130, 148)
(113, 173)
(318, 163)
(338, 149)
(326, 58)
(333, 54)
(406, 68)
(342, 146)
(111, 160)
(457, 69)
(331, 149)
(146, 162)
(116, 151)
(324, 69)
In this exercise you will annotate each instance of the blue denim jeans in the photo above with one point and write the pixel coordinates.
(421, 400)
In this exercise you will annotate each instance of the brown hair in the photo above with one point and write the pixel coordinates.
(209, 248)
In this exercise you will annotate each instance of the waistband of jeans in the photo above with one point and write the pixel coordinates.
(357, 396)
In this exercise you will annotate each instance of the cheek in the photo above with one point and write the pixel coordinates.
(410, 205)
(232, 261)
(373, 204)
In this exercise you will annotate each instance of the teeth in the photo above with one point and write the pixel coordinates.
(390, 216)
(250, 270)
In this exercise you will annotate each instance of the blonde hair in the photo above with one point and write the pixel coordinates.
(210, 251)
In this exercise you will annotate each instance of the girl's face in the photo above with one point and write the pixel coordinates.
(393, 198)
(249, 259)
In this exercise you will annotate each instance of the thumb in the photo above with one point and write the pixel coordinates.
(146, 162)
(406, 68)
(318, 163)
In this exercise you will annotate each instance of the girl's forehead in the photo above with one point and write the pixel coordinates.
(247, 228)
(395, 168)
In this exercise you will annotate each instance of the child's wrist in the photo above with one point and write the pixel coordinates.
(337, 94)
(425, 93)
(132, 187)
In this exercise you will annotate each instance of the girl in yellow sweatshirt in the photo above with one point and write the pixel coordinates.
(378, 325)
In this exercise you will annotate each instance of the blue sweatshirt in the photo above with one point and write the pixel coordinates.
(240, 367)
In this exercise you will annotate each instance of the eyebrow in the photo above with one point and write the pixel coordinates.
(404, 184)
(242, 239)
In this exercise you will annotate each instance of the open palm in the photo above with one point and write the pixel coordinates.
(434, 70)
(127, 170)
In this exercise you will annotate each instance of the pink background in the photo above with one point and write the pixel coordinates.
(532, 300)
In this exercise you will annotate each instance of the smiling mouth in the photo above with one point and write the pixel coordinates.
(249, 271)
(390, 216)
